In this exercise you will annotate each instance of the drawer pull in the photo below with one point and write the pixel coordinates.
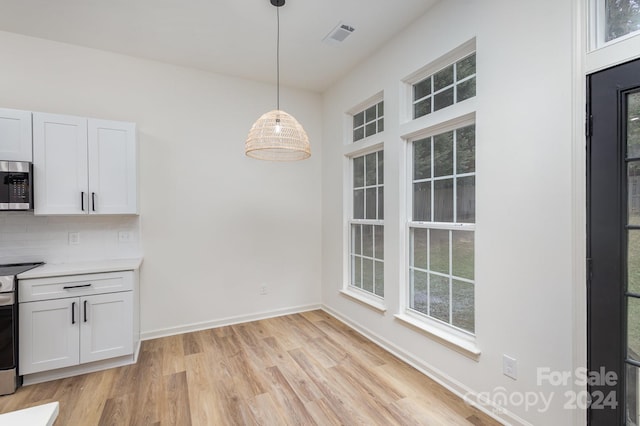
(69, 287)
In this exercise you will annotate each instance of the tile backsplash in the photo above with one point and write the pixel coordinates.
(25, 237)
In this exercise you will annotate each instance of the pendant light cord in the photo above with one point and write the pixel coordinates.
(278, 57)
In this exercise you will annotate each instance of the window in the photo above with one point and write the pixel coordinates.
(622, 17)
(368, 122)
(452, 84)
(366, 242)
(442, 227)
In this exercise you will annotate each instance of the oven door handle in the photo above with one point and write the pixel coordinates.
(7, 299)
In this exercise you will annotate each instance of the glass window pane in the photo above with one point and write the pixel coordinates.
(443, 99)
(379, 241)
(357, 271)
(358, 119)
(422, 159)
(439, 297)
(633, 395)
(633, 193)
(371, 163)
(419, 244)
(422, 108)
(463, 254)
(466, 150)
(419, 300)
(358, 204)
(367, 275)
(380, 202)
(422, 89)
(633, 125)
(380, 125)
(633, 328)
(443, 154)
(358, 134)
(367, 240)
(379, 285)
(443, 78)
(356, 239)
(466, 200)
(371, 129)
(370, 114)
(466, 67)
(466, 90)
(633, 261)
(463, 305)
(422, 202)
(380, 167)
(381, 109)
(358, 172)
(372, 207)
(622, 18)
(439, 250)
(443, 200)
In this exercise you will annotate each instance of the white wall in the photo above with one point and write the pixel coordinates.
(214, 224)
(524, 194)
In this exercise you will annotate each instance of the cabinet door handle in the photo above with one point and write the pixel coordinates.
(93, 201)
(73, 313)
(85, 311)
(68, 287)
(82, 200)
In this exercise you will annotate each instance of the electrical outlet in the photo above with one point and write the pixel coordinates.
(124, 237)
(510, 367)
(74, 238)
(263, 289)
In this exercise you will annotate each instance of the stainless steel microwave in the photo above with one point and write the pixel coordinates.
(16, 190)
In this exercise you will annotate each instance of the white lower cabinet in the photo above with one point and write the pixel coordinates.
(69, 331)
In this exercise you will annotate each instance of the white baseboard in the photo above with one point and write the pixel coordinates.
(498, 413)
(147, 335)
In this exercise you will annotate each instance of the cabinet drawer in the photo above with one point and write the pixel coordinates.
(74, 285)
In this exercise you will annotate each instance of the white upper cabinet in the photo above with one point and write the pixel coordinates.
(15, 135)
(60, 165)
(112, 167)
(84, 166)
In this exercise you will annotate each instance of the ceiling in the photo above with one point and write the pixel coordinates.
(234, 37)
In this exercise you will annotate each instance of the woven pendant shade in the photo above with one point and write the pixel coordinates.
(277, 136)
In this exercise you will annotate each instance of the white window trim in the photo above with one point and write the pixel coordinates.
(447, 334)
(370, 300)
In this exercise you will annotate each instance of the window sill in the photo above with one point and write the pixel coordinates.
(463, 346)
(364, 300)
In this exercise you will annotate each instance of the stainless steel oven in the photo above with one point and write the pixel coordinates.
(9, 379)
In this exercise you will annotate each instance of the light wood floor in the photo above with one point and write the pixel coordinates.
(301, 369)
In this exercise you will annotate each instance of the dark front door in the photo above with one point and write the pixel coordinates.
(613, 247)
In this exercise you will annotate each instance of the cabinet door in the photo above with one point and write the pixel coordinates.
(112, 167)
(60, 164)
(48, 335)
(15, 135)
(106, 329)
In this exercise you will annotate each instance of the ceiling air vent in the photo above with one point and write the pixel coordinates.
(339, 34)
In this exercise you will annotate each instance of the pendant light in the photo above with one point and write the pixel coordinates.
(277, 136)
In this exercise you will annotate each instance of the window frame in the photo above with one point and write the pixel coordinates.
(449, 328)
(597, 23)
(366, 297)
(350, 117)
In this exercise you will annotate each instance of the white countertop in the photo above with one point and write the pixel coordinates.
(76, 268)
(40, 415)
